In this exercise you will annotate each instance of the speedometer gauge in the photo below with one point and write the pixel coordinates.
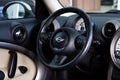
(80, 25)
(115, 49)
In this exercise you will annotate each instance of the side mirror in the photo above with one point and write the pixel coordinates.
(17, 9)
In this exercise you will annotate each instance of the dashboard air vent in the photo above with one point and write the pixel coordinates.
(110, 28)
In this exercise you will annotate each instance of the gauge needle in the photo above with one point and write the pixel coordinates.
(12, 64)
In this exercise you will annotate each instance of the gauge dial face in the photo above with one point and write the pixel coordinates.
(80, 25)
(115, 50)
(118, 45)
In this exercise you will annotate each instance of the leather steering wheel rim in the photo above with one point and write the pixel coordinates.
(84, 50)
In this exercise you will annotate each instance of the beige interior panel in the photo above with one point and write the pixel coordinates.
(22, 60)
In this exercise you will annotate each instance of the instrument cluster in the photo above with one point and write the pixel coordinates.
(17, 9)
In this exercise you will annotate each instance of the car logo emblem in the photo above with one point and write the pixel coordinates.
(59, 39)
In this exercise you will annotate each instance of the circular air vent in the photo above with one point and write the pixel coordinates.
(19, 33)
(110, 28)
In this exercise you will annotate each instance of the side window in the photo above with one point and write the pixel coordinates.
(66, 3)
(93, 5)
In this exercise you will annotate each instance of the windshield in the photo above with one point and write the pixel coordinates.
(96, 6)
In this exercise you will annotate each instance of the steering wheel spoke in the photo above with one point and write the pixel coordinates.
(45, 37)
(80, 41)
(58, 60)
(83, 33)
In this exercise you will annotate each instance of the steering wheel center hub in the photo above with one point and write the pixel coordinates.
(63, 41)
(60, 40)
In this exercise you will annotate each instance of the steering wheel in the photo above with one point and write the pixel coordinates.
(64, 47)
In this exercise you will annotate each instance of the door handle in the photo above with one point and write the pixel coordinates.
(12, 64)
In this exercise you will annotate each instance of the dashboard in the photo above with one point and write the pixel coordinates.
(22, 30)
(106, 33)
(105, 24)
